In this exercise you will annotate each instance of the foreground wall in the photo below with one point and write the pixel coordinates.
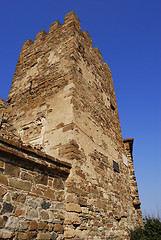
(32, 197)
(62, 102)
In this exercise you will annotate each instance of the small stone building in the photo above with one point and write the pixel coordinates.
(65, 171)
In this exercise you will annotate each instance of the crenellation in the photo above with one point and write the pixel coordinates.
(88, 38)
(71, 17)
(54, 26)
(26, 44)
(41, 35)
(99, 55)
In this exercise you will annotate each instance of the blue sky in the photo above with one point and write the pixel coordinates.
(128, 34)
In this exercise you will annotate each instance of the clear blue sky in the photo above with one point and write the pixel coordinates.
(128, 34)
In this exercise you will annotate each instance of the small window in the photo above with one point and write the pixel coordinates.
(112, 107)
(116, 166)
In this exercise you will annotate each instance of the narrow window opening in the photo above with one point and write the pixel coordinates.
(116, 166)
(112, 107)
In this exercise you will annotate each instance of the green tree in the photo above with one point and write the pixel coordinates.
(151, 230)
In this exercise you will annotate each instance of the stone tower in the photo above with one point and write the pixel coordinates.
(62, 103)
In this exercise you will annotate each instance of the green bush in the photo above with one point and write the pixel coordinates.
(151, 230)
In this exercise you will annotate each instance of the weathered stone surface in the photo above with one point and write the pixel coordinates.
(45, 205)
(12, 170)
(44, 215)
(3, 179)
(43, 236)
(1, 222)
(2, 191)
(72, 207)
(31, 234)
(42, 225)
(41, 179)
(20, 212)
(7, 197)
(32, 214)
(72, 218)
(23, 185)
(54, 236)
(32, 203)
(59, 206)
(33, 225)
(12, 222)
(49, 194)
(82, 201)
(24, 225)
(69, 233)
(26, 176)
(58, 228)
(22, 235)
(7, 207)
(58, 183)
(5, 234)
(1, 164)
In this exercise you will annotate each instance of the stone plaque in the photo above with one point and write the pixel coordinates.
(125, 160)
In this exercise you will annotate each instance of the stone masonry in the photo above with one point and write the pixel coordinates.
(66, 172)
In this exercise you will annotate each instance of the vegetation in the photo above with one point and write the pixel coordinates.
(151, 230)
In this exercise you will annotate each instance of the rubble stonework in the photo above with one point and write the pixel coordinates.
(62, 106)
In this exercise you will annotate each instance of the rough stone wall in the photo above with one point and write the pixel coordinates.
(2, 108)
(32, 194)
(62, 101)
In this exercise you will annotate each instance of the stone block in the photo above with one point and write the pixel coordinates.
(45, 205)
(5, 234)
(7, 197)
(12, 222)
(73, 207)
(69, 233)
(26, 176)
(2, 191)
(31, 234)
(49, 194)
(59, 206)
(32, 203)
(3, 179)
(41, 179)
(80, 174)
(22, 235)
(19, 211)
(71, 198)
(59, 196)
(33, 225)
(54, 236)
(1, 164)
(44, 215)
(1, 222)
(58, 183)
(72, 218)
(82, 201)
(24, 225)
(7, 207)
(32, 214)
(43, 236)
(23, 185)
(42, 225)
(58, 228)
(12, 170)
